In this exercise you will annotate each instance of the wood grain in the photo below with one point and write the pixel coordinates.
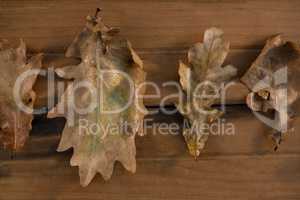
(237, 177)
(51, 25)
(161, 31)
(241, 166)
(250, 136)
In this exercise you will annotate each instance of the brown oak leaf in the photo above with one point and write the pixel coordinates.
(272, 81)
(202, 81)
(103, 55)
(15, 124)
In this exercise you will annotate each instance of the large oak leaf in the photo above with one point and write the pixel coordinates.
(106, 61)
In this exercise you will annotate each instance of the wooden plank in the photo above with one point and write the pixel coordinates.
(50, 26)
(249, 138)
(242, 166)
(161, 67)
(235, 177)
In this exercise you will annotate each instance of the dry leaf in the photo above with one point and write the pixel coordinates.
(271, 79)
(14, 123)
(100, 49)
(203, 77)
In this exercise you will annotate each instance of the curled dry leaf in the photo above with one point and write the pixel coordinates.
(106, 61)
(202, 80)
(15, 124)
(272, 81)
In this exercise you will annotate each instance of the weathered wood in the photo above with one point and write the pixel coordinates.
(241, 166)
(250, 137)
(234, 177)
(50, 26)
(161, 31)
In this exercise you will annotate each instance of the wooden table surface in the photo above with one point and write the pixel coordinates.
(241, 166)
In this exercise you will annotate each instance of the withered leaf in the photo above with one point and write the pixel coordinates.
(96, 152)
(272, 81)
(15, 124)
(201, 80)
